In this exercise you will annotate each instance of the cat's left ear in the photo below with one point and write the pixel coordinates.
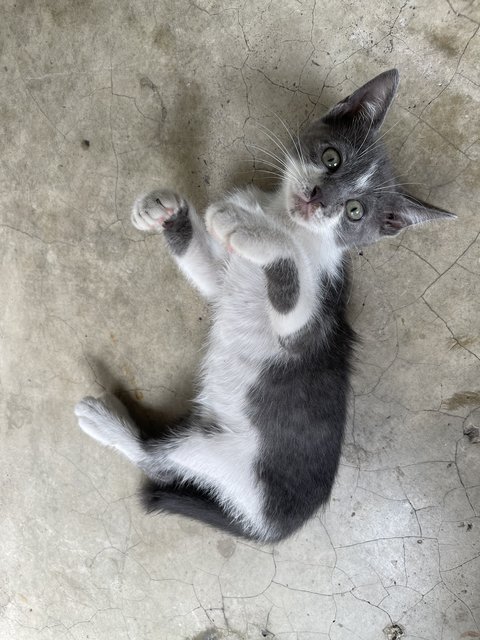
(408, 211)
(367, 106)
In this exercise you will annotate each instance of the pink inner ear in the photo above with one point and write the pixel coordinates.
(348, 107)
(394, 222)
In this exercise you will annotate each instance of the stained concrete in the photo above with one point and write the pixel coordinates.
(101, 100)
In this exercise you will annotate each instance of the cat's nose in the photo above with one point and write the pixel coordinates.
(316, 196)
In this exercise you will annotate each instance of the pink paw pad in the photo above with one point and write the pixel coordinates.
(160, 221)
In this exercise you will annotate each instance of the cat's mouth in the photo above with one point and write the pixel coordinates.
(305, 209)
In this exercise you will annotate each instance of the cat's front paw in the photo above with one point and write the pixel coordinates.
(221, 222)
(244, 235)
(158, 210)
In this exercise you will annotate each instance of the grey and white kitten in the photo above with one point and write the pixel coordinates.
(258, 454)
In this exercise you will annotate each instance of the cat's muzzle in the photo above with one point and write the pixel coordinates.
(306, 208)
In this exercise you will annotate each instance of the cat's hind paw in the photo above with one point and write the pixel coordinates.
(158, 210)
(95, 419)
(103, 419)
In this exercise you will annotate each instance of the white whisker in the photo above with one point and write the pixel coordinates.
(276, 140)
(377, 140)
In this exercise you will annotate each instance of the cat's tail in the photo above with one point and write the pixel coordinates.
(187, 500)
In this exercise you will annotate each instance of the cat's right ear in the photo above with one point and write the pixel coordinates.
(367, 107)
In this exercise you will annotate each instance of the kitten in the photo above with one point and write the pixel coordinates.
(258, 454)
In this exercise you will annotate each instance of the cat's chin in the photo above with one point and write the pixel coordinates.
(316, 226)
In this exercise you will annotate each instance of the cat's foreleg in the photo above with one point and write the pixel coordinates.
(290, 279)
(195, 252)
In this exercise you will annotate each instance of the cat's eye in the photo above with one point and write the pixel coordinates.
(331, 159)
(354, 210)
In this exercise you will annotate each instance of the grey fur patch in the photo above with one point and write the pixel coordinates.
(283, 284)
(299, 407)
(178, 231)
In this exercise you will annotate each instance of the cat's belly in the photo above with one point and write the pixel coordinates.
(241, 340)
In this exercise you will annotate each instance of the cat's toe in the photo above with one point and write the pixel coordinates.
(221, 223)
(113, 405)
(85, 406)
(93, 418)
(155, 210)
(242, 242)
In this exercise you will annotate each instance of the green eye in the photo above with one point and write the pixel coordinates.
(354, 210)
(331, 159)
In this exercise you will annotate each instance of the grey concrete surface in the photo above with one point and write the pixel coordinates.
(101, 100)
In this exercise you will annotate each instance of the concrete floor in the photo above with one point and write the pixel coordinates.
(101, 100)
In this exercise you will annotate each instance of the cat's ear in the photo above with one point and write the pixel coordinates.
(367, 107)
(408, 211)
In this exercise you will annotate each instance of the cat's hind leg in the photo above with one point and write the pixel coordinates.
(197, 470)
(196, 253)
(107, 420)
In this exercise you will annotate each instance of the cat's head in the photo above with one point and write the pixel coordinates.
(339, 177)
